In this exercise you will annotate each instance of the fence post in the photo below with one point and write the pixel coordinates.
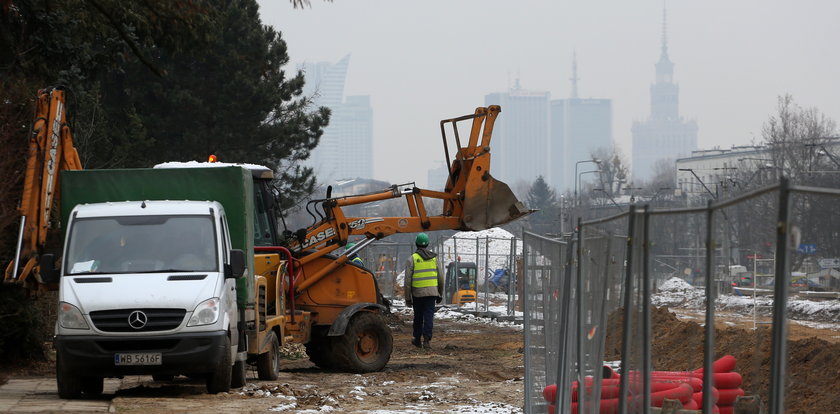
(454, 271)
(486, 267)
(709, 329)
(580, 329)
(526, 322)
(511, 298)
(477, 262)
(627, 325)
(646, 329)
(780, 296)
(563, 388)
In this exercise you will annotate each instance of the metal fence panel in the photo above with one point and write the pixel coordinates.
(757, 276)
(543, 270)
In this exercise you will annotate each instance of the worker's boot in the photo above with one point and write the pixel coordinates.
(416, 342)
(426, 344)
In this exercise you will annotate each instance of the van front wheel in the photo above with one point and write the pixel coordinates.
(219, 380)
(69, 385)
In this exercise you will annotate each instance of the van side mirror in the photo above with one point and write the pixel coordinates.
(46, 268)
(236, 268)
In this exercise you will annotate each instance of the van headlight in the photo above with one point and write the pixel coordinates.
(205, 313)
(70, 317)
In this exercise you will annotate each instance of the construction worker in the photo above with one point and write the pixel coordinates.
(423, 288)
(353, 258)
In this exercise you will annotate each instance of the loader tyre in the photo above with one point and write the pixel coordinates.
(69, 385)
(219, 380)
(366, 344)
(268, 364)
(319, 349)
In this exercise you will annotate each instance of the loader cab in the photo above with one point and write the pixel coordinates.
(460, 282)
(265, 205)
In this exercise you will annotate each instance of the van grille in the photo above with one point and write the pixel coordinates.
(117, 320)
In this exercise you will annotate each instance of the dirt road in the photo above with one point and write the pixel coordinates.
(473, 367)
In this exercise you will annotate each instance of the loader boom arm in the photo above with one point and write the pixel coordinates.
(472, 200)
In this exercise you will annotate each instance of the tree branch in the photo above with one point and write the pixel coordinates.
(127, 39)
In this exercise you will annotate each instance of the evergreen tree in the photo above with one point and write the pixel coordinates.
(231, 98)
(543, 198)
(165, 81)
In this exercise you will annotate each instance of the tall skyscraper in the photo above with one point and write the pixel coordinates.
(346, 147)
(437, 177)
(665, 135)
(578, 127)
(520, 134)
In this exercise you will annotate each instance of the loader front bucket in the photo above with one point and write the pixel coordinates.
(489, 203)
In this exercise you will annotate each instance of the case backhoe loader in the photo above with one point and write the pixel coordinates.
(332, 293)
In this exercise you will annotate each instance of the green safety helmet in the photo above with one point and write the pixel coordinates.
(422, 240)
(349, 245)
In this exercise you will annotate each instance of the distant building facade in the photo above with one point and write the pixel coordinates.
(578, 127)
(346, 147)
(709, 173)
(665, 134)
(521, 135)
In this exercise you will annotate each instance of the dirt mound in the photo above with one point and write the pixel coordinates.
(813, 366)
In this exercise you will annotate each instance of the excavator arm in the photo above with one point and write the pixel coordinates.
(50, 151)
(472, 200)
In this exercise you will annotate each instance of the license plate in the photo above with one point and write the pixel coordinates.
(138, 358)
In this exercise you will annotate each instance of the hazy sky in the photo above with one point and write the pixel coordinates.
(423, 61)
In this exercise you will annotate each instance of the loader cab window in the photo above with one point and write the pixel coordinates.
(263, 221)
(142, 244)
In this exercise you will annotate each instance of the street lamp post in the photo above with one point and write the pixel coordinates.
(594, 160)
(577, 183)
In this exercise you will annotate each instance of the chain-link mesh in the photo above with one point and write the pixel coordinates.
(547, 314)
(768, 262)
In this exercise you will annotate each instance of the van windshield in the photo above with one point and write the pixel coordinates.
(142, 244)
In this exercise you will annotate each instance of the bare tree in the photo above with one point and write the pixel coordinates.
(796, 136)
(802, 143)
(613, 168)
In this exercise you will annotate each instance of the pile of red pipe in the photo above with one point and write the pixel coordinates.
(685, 386)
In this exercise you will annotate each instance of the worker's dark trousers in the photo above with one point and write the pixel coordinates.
(424, 315)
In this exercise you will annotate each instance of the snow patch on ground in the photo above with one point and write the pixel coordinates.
(676, 292)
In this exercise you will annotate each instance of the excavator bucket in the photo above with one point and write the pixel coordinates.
(487, 202)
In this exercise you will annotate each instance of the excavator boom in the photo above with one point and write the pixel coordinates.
(50, 151)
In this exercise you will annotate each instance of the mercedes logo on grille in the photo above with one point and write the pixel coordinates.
(137, 319)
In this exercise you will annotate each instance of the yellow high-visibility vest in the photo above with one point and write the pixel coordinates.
(425, 272)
